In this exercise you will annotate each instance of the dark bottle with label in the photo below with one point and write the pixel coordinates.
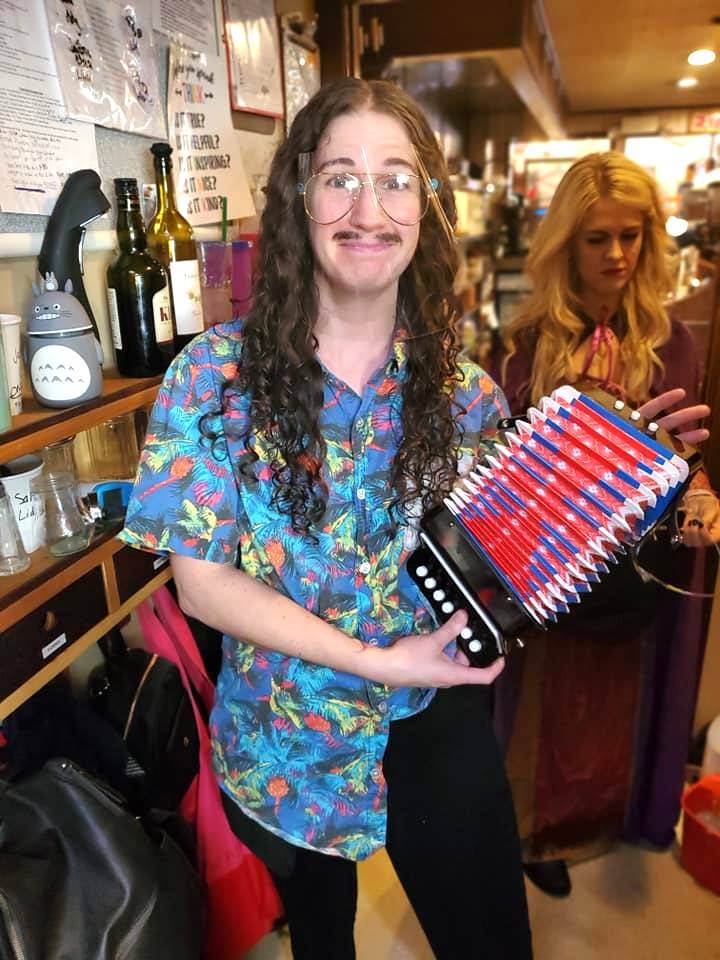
(138, 292)
(170, 238)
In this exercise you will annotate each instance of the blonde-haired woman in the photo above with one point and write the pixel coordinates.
(599, 721)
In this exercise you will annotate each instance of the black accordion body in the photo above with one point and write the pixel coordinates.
(578, 480)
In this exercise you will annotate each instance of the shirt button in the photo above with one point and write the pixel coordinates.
(376, 774)
(382, 707)
(364, 568)
(361, 493)
(373, 641)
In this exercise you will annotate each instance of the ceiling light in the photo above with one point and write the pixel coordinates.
(687, 82)
(701, 58)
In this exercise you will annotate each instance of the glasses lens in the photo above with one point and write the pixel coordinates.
(403, 196)
(329, 196)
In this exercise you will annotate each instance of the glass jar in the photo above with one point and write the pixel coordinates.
(67, 528)
(114, 448)
(58, 457)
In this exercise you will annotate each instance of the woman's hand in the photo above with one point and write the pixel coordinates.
(420, 660)
(702, 519)
(678, 421)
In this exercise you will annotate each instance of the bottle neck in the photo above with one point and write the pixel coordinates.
(165, 185)
(130, 226)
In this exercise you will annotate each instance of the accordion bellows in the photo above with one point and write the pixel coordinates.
(527, 533)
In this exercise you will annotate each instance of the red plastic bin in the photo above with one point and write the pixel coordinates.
(700, 842)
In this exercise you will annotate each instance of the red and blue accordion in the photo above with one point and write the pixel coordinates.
(577, 481)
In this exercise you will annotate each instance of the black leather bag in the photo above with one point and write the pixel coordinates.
(81, 878)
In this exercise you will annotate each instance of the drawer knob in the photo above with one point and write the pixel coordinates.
(50, 622)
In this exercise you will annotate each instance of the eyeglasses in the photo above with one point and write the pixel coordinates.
(330, 196)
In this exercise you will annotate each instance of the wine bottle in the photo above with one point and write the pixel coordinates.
(170, 237)
(138, 291)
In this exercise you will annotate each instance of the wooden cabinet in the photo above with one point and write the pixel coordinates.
(57, 608)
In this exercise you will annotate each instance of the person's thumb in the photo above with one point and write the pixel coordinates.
(450, 631)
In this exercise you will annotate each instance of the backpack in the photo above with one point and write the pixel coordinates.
(82, 878)
(142, 696)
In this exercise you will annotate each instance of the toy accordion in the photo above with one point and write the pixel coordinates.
(572, 484)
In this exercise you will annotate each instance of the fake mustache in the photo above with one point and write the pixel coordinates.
(353, 235)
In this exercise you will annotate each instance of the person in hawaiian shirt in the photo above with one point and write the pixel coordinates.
(287, 460)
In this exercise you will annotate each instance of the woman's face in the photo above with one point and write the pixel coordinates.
(607, 246)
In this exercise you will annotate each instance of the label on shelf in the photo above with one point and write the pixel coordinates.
(185, 278)
(114, 318)
(162, 315)
(54, 645)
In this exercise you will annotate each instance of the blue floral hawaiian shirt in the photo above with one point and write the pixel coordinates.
(298, 746)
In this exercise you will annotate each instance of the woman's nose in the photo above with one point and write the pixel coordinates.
(367, 212)
(614, 250)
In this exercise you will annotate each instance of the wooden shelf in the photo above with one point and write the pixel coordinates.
(55, 610)
(64, 659)
(37, 426)
(47, 575)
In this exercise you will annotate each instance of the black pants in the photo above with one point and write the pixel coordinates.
(451, 837)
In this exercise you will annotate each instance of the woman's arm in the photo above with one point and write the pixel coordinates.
(241, 606)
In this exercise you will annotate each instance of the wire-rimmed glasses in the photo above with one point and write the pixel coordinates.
(404, 197)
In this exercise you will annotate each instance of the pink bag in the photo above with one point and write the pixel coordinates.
(243, 903)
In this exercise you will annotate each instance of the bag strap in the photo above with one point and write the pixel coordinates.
(182, 643)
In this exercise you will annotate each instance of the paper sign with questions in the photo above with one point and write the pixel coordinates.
(207, 159)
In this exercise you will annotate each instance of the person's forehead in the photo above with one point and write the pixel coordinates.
(356, 136)
(608, 214)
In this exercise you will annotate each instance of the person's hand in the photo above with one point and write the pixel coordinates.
(678, 421)
(420, 660)
(701, 527)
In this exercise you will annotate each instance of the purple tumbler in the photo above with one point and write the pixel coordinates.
(243, 255)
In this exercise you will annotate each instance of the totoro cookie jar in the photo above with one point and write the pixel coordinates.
(64, 357)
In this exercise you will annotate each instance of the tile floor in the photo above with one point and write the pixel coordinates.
(628, 905)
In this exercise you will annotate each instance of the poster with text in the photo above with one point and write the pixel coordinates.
(39, 145)
(253, 51)
(207, 160)
(106, 63)
(189, 22)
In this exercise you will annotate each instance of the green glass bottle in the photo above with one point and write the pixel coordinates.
(170, 238)
(138, 290)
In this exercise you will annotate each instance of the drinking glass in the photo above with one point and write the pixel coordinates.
(13, 557)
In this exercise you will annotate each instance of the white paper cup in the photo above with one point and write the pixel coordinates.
(28, 506)
(10, 325)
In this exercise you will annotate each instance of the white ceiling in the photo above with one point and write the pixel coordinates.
(625, 54)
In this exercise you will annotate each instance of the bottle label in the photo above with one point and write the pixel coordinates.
(114, 318)
(185, 278)
(162, 314)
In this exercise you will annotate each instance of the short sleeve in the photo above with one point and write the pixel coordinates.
(484, 404)
(185, 498)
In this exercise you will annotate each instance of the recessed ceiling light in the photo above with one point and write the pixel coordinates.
(687, 82)
(700, 58)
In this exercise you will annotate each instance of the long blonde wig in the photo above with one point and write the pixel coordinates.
(550, 317)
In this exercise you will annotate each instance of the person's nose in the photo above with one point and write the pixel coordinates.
(367, 214)
(614, 250)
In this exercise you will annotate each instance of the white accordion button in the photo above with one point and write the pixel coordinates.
(430, 583)
(466, 633)
(422, 570)
(619, 405)
(447, 607)
(634, 415)
(475, 646)
(439, 595)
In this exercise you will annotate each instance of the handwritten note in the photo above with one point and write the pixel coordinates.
(39, 146)
(208, 162)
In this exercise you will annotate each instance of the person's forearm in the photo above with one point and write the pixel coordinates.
(241, 606)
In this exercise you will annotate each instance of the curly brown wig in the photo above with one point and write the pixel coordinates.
(279, 368)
